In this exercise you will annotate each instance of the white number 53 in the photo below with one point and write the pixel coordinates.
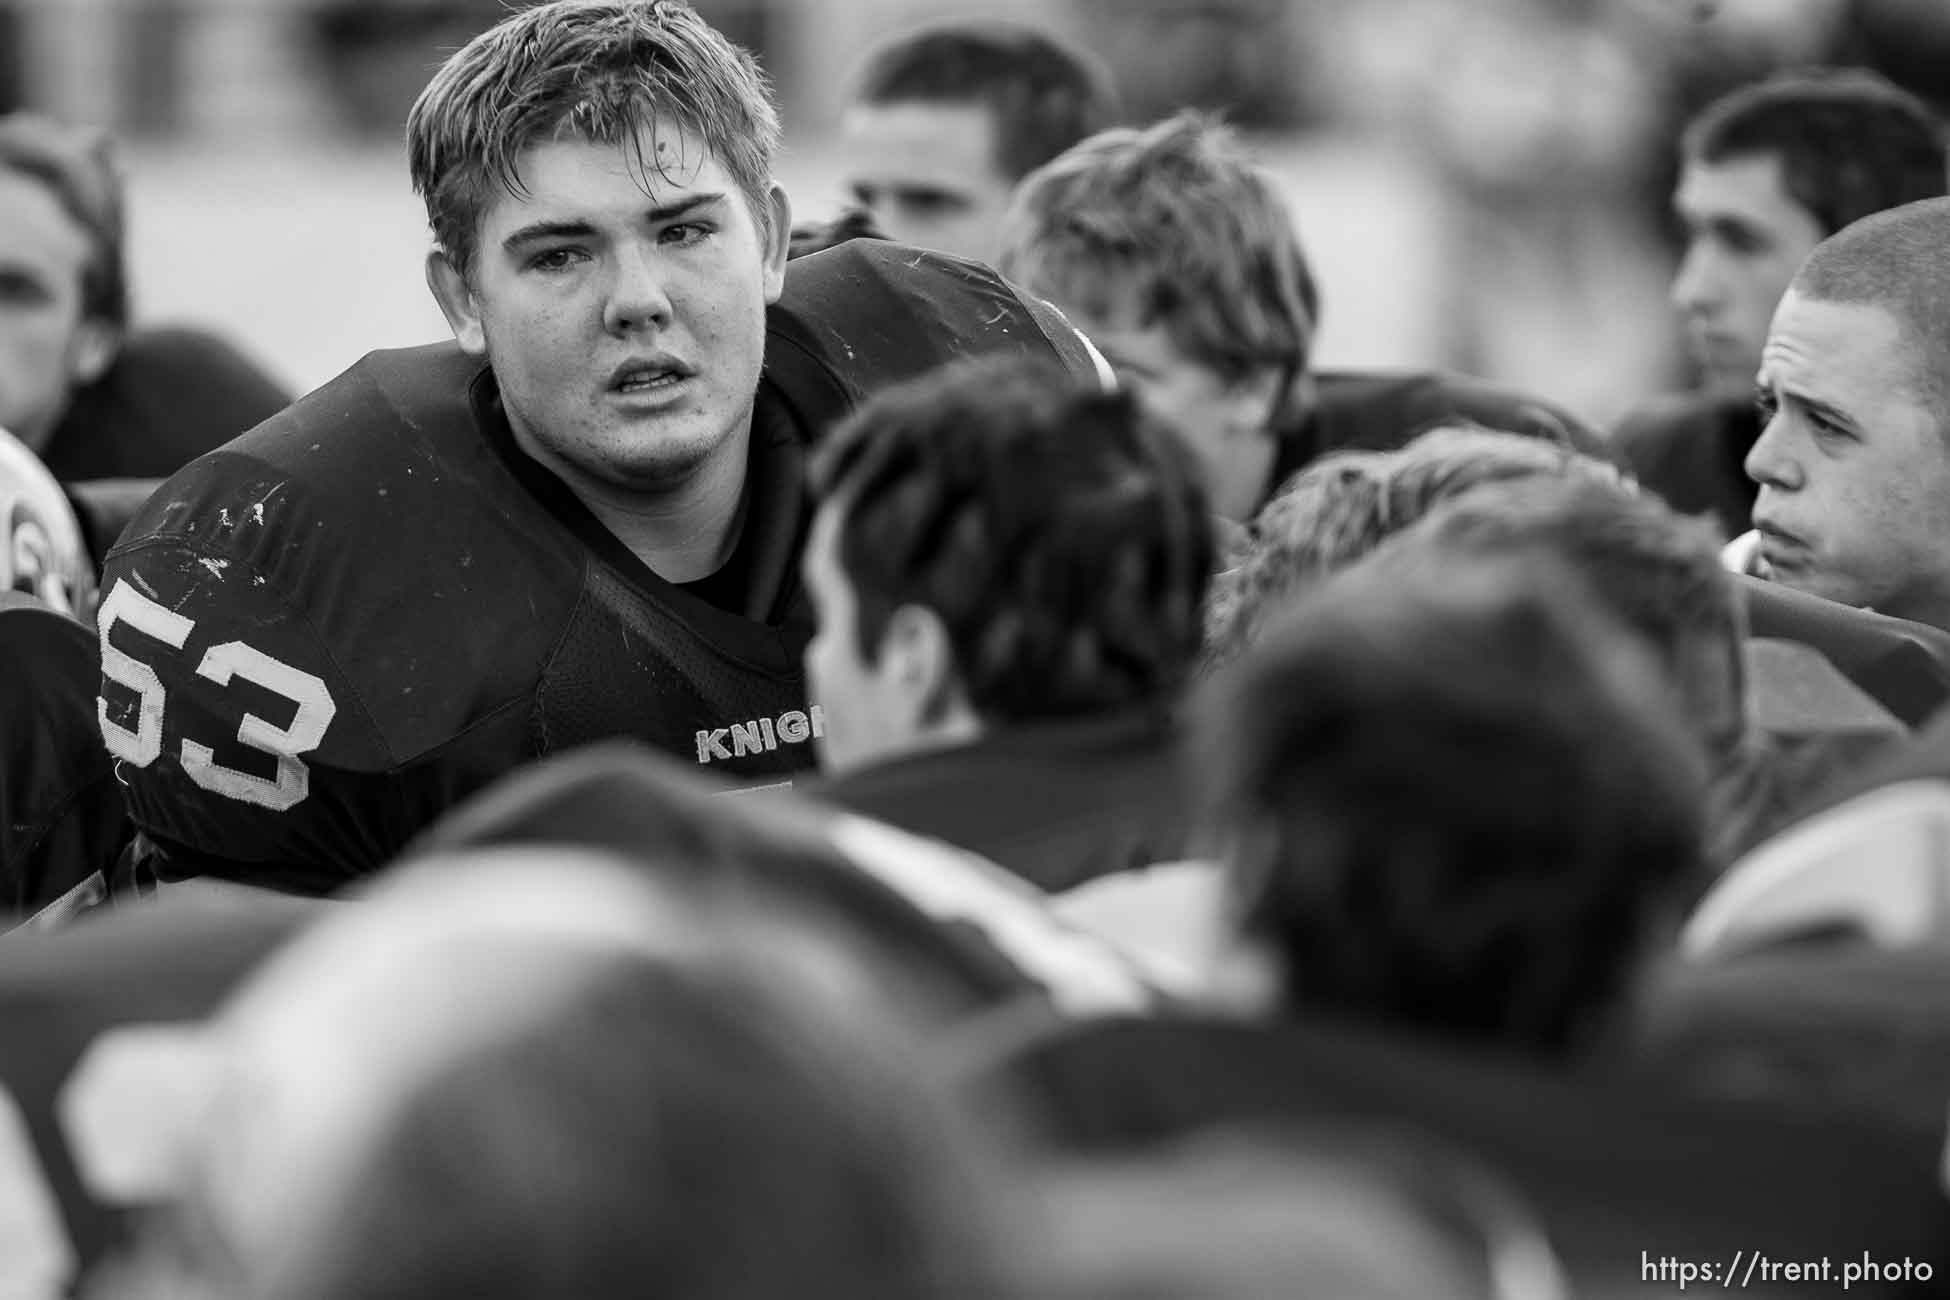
(143, 745)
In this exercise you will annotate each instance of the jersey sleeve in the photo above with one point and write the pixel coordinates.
(236, 737)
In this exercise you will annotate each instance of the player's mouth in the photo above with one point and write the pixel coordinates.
(1781, 551)
(648, 376)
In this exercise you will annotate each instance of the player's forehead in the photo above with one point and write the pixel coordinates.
(38, 236)
(1850, 354)
(565, 173)
(1748, 187)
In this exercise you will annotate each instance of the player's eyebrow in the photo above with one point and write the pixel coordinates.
(1827, 410)
(537, 231)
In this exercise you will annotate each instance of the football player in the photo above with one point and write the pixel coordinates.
(61, 817)
(92, 397)
(1179, 258)
(1767, 172)
(580, 519)
(1009, 570)
(946, 119)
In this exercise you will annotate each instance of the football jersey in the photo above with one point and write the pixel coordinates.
(1057, 802)
(62, 824)
(320, 636)
(1692, 450)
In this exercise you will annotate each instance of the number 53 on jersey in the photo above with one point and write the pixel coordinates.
(139, 724)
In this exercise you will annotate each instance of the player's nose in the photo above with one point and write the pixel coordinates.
(636, 294)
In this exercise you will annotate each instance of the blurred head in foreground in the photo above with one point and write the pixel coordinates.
(1454, 798)
(532, 1074)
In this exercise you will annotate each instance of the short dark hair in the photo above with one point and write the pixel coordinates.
(1045, 94)
(1656, 570)
(1894, 260)
(1062, 537)
(78, 166)
(1458, 796)
(1850, 141)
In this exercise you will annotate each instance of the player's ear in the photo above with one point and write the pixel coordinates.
(456, 299)
(776, 230)
(1252, 401)
(95, 346)
(916, 655)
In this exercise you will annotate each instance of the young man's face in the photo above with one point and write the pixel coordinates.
(1746, 238)
(622, 306)
(1853, 465)
(1224, 423)
(928, 174)
(48, 346)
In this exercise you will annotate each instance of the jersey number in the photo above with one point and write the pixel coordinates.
(143, 745)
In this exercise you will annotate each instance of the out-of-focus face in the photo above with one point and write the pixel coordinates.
(448, 958)
(1853, 464)
(928, 174)
(622, 306)
(1746, 237)
(867, 714)
(1224, 423)
(48, 347)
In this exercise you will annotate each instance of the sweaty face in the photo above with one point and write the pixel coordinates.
(44, 350)
(866, 714)
(928, 174)
(1746, 237)
(622, 306)
(1853, 466)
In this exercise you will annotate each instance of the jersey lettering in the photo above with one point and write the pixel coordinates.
(760, 735)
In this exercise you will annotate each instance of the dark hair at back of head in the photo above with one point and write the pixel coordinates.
(1062, 537)
(1459, 795)
(1849, 141)
(1044, 93)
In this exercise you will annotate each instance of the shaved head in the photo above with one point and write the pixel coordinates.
(1899, 261)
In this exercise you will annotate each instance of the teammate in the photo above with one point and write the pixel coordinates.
(1767, 172)
(583, 520)
(1008, 569)
(61, 817)
(92, 398)
(1179, 259)
(945, 120)
(1854, 460)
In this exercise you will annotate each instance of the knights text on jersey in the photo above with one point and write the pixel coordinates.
(320, 636)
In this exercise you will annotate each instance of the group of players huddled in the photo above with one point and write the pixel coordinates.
(935, 754)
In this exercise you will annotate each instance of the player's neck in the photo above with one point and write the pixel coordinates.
(686, 531)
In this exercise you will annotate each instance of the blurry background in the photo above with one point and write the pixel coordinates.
(1482, 183)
